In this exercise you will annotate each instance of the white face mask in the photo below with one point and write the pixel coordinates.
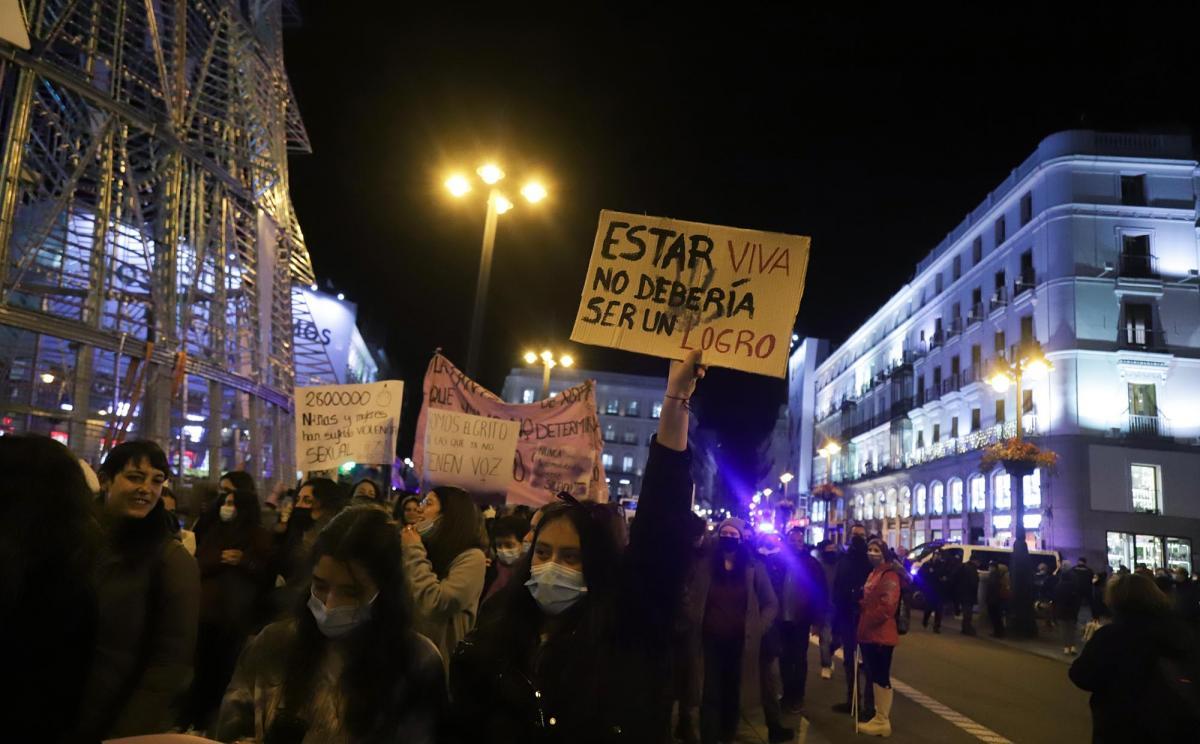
(337, 622)
(555, 587)
(228, 513)
(508, 556)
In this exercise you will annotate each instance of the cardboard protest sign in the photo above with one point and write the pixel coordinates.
(471, 452)
(336, 424)
(665, 287)
(558, 442)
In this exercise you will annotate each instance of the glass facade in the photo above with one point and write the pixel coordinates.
(1152, 551)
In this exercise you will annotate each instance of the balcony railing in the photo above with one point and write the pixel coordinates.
(1138, 266)
(936, 340)
(955, 328)
(999, 299)
(971, 442)
(976, 314)
(1140, 338)
(1024, 283)
(1146, 426)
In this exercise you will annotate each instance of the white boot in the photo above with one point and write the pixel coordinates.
(881, 724)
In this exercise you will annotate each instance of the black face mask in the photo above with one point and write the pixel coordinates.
(729, 544)
(301, 519)
(829, 556)
(858, 542)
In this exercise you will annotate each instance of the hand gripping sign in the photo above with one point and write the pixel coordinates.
(665, 287)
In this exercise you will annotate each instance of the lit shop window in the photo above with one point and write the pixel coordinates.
(978, 494)
(1144, 488)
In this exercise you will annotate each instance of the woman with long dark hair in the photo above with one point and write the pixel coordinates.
(49, 540)
(347, 666)
(445, 566)
(407, 511)
(575, 648)
(234, 553)
(149, 594)
(367, 491)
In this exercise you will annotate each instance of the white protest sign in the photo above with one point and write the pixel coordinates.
(468, 451)
(665, 287)
(336, 424)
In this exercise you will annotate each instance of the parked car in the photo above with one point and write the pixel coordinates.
(985, 554)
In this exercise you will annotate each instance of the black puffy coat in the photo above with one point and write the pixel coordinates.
(604, 674)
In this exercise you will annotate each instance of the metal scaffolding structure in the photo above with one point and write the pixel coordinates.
(149, 252)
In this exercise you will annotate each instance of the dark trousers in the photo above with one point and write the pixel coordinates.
(217, 649)
(769, 683)
(847, 629)
(996, 615)
(877, 659)
(793, 665)
(720, 704)
(933, 606)
(968, 619)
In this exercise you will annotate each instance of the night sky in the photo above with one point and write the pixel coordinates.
(875, 134)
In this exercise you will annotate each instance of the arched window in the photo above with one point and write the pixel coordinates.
(956, 496)
(937, 501)
(978, 497)
(1001, 495)
(893, 509)
(880, 505)
(921, 505)
(905, 502)
(1032, 485)
(863, 508)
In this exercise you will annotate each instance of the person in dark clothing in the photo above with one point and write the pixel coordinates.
(778, 564)
(1082, 577)
(574, 649)
(1096, 601)
(318, 501)
(931, 579)
(1186, 599)
(49, 542)
(997, 594)
(1066, 608)
(852, 572)
(965, 583)
(1044, 584)
(1143, 669)
(234, 554)
(830, 557)
(505, 533)
(802, 607)
(148, 589)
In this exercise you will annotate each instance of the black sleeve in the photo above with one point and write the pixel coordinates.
(656, 558)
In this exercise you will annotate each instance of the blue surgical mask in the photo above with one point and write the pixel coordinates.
(555, 587)
(338, 621)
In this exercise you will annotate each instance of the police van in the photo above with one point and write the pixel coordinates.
(984, 554)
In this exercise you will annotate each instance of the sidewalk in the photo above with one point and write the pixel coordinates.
(1046, 644)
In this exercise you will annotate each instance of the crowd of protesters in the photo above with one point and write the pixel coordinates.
(335, 614)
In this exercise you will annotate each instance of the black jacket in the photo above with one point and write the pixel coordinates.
(966, 583)
(1143, 674)
(852, 572)
(604, 676)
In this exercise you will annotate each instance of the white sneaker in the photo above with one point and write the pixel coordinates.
(877, 726)
(826, 672)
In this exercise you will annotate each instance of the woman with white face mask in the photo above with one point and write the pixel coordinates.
(347, 666)
(445, 566)
(577, 647)
(234, 552)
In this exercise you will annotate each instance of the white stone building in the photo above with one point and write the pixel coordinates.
(1088, 248)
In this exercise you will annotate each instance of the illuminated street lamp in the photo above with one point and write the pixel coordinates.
(1031, 362)
(497, 204)
(828, 450)
(548, 362)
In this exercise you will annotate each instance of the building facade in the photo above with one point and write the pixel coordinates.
(802, 366)
(628, 406)
(1089, 250)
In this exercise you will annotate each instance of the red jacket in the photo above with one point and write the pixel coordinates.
(881, 597)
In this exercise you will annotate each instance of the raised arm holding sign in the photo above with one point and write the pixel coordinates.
(667, 287)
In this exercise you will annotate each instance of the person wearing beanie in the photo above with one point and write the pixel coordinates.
(730, 606)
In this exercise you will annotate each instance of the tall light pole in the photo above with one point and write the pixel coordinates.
(828, 450)
(548, 363)
(1032, 362)
(497, 204)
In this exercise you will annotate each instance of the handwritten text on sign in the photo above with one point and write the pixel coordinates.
(336, 424)
(665, 287)
(471, 452)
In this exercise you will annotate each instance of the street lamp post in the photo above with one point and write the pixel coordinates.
(497, 204)
(548, 363)
(827, 451)
(1030, 362)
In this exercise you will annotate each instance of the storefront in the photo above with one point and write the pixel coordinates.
(1152, 551)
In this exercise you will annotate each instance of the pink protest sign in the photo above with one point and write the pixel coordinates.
(558, 447)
